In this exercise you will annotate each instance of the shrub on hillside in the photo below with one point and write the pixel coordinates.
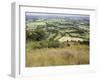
(53, 44)
(36, 45)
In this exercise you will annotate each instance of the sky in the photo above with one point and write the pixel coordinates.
(32, 15)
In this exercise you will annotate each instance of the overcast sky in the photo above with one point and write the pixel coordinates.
(49, 14)
(31, 14)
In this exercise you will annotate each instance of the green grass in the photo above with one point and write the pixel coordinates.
(72, 55)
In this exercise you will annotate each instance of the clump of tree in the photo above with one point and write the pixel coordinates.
(36, 34)
(53, 44)
(86, 42)
(46, 44)
(39, 38)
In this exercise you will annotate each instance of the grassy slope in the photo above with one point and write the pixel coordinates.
(75, 54)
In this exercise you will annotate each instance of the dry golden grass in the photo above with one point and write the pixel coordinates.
(73, 55)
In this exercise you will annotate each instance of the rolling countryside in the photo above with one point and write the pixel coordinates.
(56, 39)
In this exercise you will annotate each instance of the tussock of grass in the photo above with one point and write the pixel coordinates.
(73, 55)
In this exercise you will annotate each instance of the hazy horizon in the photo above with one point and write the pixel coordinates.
(32, 15)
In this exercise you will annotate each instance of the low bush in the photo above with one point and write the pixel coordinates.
(36, 45)
(53, 44)
(45, 44)
(85, 42)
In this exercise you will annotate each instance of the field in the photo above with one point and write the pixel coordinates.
(56, 39)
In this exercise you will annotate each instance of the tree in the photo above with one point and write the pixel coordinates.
(39, 34)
